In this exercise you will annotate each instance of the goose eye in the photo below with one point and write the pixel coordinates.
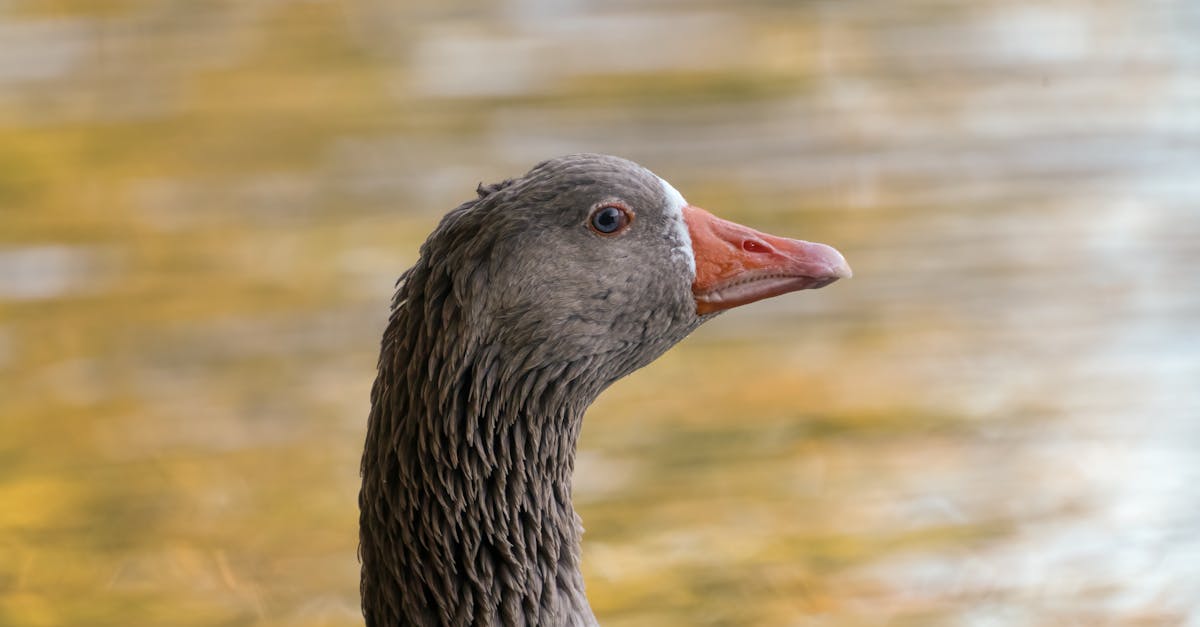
(610, 219)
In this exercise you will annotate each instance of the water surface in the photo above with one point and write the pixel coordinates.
(996, 422)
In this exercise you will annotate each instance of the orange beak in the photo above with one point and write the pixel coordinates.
(736, 265)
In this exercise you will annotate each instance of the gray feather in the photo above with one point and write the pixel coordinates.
(512, 321)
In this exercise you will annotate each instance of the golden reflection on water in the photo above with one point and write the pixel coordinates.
(203, 209)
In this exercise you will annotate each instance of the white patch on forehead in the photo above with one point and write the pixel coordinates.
(679, 230)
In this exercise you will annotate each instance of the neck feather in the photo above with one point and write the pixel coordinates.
(466, 514)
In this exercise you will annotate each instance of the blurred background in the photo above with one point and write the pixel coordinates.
(204, 205)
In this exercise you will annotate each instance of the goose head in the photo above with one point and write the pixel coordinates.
(594, 256)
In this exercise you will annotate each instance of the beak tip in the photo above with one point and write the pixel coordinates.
(839, 268)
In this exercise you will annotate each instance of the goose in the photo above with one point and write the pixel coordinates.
(525, 303)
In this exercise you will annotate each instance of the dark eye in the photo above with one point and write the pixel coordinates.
(610, 219)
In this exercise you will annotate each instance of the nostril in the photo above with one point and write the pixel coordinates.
(755, 246)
